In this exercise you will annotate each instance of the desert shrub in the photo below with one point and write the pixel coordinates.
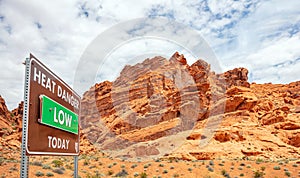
(39, 174)
(122, 173)
(58, 171)
(49, 174)
(136, 174)
(287, 173)
(14, 168)
(259, 160)
(133, 166)
(46, 166)
(143, 175)
(242, 164)
(210, 169)
(37, 163)
(2, 160)
(175, 175)
(276, 167)
(165, 171)
(110, 172)
(258, 174)
(86, 162)
(57, 163)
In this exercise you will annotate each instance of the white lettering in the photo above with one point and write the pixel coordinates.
(37, 75)
(67, 141)
(43, 79)
(49, 143)
(68, 120)
(48, 84)
(55, 119)
(59, 91)
(54, 142)
(64, 95)
(61, 117)
(58, 143)
(67, 97)
(53, 86)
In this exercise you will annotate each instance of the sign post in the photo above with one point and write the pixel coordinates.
(51, 115)
(24, 157)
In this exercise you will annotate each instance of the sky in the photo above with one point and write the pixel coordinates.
(262, 36)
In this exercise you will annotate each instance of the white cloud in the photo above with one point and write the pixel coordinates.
(254, 34)
(263, 39)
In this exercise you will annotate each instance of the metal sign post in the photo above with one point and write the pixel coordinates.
(75, 166)
(24, 158)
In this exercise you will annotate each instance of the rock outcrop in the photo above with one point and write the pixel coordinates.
(5, 118)
(155, 101)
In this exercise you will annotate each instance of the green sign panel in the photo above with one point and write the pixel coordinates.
(55, 115)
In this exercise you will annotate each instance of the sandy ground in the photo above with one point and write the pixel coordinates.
(98, 165)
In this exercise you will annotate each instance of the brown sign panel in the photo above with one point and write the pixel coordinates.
(43, 139)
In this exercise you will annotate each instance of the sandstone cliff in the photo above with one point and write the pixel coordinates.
(165, 107)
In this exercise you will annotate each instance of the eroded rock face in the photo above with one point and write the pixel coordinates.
(5, 118)
(236, 77)
(147, 101)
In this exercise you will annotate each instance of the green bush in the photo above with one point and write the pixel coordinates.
(258, 174)
(57, 163)
(287, 173)
(276, 167)
(143, 175)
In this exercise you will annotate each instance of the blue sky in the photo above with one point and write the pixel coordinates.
(262, 36)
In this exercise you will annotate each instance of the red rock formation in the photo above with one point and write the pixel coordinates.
(5, 118)
(148, 100)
